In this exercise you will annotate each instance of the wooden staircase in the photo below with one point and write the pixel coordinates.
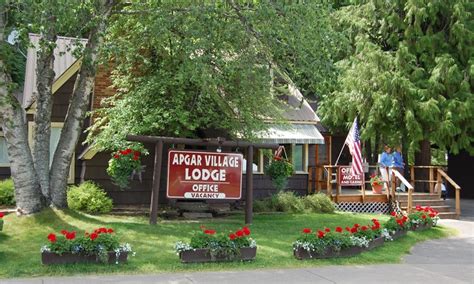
(428, 199)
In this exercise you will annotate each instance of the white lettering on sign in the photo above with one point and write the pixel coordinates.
(206, 187)
(204, 175)
(204, 195)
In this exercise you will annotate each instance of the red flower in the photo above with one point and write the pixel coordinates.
(393, 214)
(348, 229)
(364, 228)
(356, 225)
(209, 232)
(128, 151)
(375, 220)
(63, 232)
(339, 229)
(246, 231)
(123, 152)
(327, 230)
(93, 236)
(307, 230)
(136, 153)
(320, 234)
(110, 231)
(423, 216)
(426, 209)
(354, 230)
(52, 237)
(232, 236)
(2, 214)
(70, 235)
(239, 233)
(116, 156)
(404, 218)
(135, 158)
(102, 230)
(432, 215)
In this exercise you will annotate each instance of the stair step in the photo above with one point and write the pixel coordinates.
(418, 196)
(424, 202)
(448, 215)
(443, 208)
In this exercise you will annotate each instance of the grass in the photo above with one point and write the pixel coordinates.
(22, 238)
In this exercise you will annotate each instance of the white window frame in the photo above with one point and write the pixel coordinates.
(305, 158)
(72, 168)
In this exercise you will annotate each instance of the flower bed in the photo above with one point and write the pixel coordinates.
(102, 245)
(340, 242)
(423, 218)
(208, 246)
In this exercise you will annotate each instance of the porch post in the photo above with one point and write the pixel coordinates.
(249, 191)
(156, 182)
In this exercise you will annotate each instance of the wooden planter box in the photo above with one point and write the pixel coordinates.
(48, 258)
(399, 234)
(204, 255)
(421, 227)
(301, 253)
(375, 243)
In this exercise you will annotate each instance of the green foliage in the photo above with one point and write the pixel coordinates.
(319, 203)
(288, 201)
(406, 72)
(88, 197)
(14, 63)
(7, 192)
(188, 67)
(279, 170)
(123, 163)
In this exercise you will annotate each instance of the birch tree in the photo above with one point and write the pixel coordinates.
(36, 184)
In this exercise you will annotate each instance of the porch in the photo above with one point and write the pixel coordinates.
(423, 188)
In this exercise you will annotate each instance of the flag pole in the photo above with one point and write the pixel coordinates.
(340, 153)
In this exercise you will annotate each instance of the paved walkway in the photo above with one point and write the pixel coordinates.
(446, 261)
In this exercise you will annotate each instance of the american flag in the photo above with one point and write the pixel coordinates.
(353, 142)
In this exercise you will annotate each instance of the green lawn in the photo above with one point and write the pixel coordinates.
(22, 238)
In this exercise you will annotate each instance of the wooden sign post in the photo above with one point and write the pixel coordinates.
(220, 142)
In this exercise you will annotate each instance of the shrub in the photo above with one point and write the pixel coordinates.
(319, 203)
(263, 205)
(288, 202)
(7, 189)
(88, 197)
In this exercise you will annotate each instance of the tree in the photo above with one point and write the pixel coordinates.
(180, 69)
(36, 184)
(407, 72)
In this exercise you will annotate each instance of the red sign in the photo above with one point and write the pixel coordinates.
(347, 179)
(204, 175)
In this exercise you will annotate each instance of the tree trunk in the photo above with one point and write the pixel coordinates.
(423, 158)
(27, 189)
(44, 104)
(77, 110)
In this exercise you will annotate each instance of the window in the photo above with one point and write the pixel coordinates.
(4, 162)
(299, 157)
(56, 128)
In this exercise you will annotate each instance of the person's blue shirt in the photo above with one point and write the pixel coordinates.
(398, 160)
(386, 159)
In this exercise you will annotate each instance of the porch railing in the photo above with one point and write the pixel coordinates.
(318, 181)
